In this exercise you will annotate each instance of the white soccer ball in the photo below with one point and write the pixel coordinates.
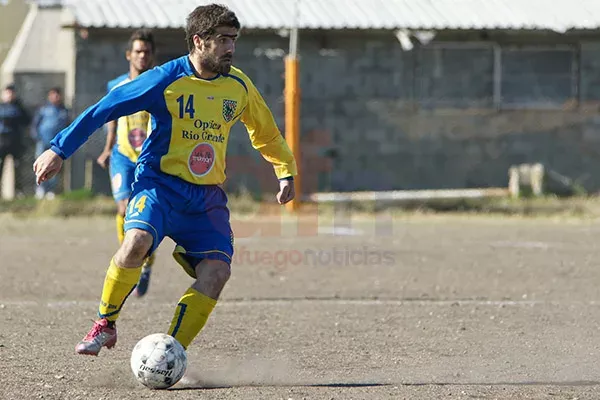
(158, 361)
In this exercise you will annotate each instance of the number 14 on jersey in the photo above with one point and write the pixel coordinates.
(186, 106)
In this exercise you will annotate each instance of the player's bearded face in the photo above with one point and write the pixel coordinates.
(214, 63)
(218, 51)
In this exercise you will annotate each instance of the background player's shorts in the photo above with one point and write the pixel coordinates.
(122, 174)
(195, 217)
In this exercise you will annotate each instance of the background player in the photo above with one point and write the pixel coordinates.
(194, 101)
(125, 138)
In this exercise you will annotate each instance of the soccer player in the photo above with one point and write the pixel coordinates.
(125, 138)
(194, 100)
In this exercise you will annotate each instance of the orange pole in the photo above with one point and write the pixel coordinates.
(292, 123)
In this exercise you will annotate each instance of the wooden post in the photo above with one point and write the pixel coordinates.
(514, 183)
(67, 175)
(292, 122)
(292, 106)
(7, 178)
(537, 179)
(89, 174)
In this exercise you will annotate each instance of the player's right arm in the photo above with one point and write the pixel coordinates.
(111, 133)
(137, 95)
(111, 138)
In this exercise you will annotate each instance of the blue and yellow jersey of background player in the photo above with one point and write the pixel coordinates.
(125, 138)
(132, 130)
(130, 133)
(126, 135)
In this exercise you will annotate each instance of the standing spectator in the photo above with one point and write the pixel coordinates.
(13, 123)
(50, 119)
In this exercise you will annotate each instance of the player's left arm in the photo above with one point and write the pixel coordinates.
(265, 136)
(267, 139)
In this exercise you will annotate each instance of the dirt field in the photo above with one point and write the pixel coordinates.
(423, 307)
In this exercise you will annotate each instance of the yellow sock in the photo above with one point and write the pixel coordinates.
(120, 227)
(118, 285)
(192, 313)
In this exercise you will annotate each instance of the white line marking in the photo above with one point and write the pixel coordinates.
(523, 245)
(340, 231)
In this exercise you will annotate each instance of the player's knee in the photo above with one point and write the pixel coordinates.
(217, 272)
(212, 275)
(222, 273)
(134, 249)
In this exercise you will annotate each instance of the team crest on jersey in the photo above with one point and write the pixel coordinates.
(229, 107)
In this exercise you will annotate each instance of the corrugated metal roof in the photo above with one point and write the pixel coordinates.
(556, 15)
(46, 3)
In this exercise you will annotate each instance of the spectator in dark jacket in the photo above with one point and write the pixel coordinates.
(49, 120)
(14, 119)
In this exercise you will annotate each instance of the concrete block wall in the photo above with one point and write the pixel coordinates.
(363, 95)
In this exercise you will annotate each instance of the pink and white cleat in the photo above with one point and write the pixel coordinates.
(99, 336)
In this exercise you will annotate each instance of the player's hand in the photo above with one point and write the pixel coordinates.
(286, 191)
(47, 166)
(103, 159)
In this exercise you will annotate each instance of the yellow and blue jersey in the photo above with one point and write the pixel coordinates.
(132, 130)
(190, 123)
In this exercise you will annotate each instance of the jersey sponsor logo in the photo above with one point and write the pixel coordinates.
(203, 136)
(136, 138)
(204, 125)
(201, 159)
(132, 132)
(229, 107)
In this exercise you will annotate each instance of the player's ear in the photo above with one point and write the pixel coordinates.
(198, 43)
(128, 55)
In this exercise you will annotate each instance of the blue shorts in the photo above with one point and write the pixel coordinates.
(195, 217)
(122, 174)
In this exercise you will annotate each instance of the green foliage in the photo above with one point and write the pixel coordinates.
(77, 195)
(244, 203)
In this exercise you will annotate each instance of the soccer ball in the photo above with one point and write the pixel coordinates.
(158, 361)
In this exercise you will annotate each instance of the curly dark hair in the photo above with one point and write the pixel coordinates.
(145, 35)
(204, 20)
